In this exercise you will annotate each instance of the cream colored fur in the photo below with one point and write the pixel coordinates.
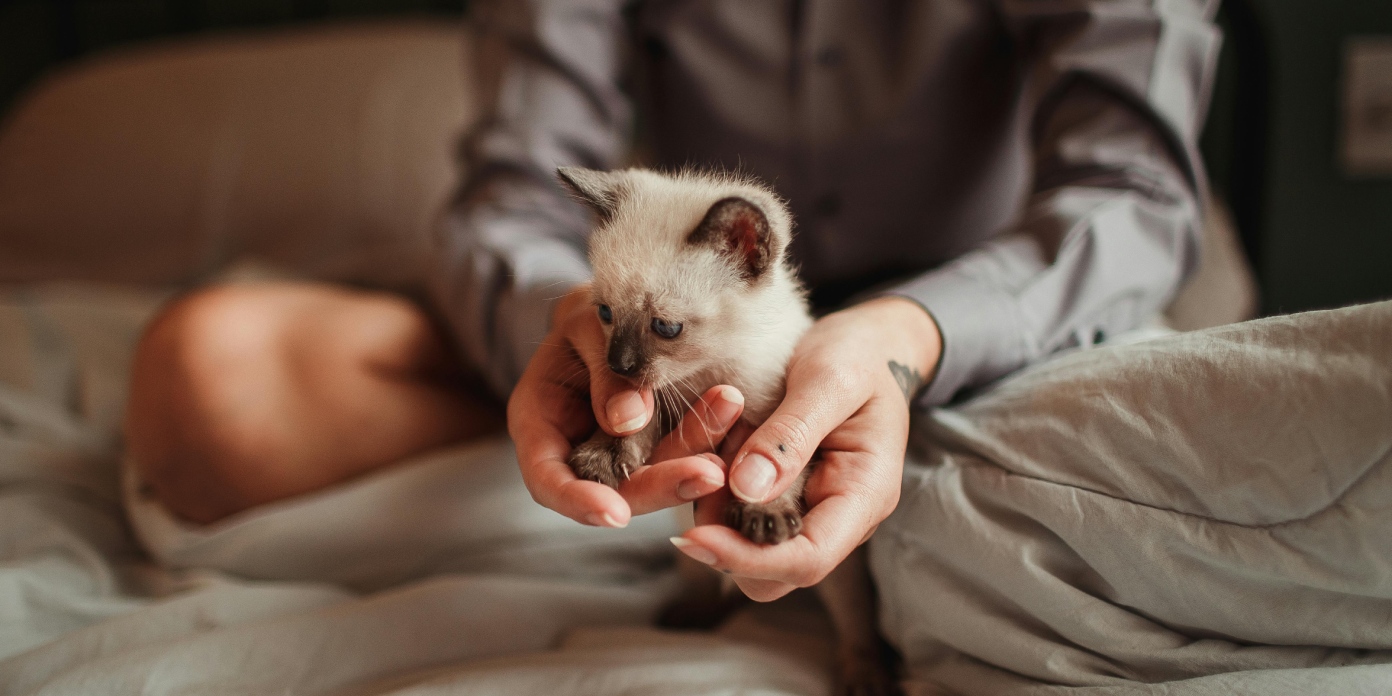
(736, 330)
(737, 333)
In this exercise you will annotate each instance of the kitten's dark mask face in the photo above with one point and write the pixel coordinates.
(671, 269)
(660, 329)
(644, 345)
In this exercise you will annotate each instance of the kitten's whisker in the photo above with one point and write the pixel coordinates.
(660, 405)
(674, 413)
(678, 411)
(676, 408)
(705, 427)
(689, 409)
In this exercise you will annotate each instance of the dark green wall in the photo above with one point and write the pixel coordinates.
(1328, 238)
(37, 34)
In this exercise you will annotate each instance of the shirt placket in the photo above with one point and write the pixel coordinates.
(819, 56)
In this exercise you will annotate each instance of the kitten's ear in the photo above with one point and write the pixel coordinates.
(739, 230)
(598, 190)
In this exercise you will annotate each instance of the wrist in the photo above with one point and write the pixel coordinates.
(917, 342)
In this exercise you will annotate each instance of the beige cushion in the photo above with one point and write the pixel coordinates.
(328, 151)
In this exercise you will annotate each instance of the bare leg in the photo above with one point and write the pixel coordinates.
(246, 394)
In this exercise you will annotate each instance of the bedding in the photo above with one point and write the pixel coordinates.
(437, 576)
(1197, 514)
(1069, 532)
(1206, 513)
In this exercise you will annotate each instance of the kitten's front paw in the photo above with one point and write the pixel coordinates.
(600, 459)
(766, 523)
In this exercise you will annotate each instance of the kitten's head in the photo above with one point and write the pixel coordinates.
(689, 269)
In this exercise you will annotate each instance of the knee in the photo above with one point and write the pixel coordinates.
(202, 385)
(225, 326)
(200, 350)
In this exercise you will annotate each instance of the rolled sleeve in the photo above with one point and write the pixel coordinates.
(513, 242)
(1113, 225)
(979, 324)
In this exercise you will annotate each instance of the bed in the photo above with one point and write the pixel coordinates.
(1110, 522)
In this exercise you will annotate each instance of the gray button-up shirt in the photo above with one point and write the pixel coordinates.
(1025, 170)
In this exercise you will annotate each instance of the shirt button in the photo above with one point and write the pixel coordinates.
(830, 56)
(828, 205)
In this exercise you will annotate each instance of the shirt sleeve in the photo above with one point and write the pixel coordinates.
(1118, 91)
(512, 243)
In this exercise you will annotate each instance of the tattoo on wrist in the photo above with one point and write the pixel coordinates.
(908, 378)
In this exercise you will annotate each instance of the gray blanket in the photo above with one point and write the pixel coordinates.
(1209, 513)
(1199, 513)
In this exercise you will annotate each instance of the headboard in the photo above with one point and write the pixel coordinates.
(36, 35)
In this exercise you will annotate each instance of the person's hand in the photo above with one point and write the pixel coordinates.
(568, 388)
(849, 385)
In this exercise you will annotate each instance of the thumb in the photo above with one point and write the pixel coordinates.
(619, 408)
(777, 452)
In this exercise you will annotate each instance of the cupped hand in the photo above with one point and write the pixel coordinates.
(850, 383)
(568, 389)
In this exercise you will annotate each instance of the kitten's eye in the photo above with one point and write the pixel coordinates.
(606, 315)
(666, 329)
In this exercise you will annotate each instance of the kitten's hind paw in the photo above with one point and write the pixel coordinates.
(600, 459)
(766, 523)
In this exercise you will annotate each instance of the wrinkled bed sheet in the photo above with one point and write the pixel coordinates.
(1200, 513)
(440, 576)
(1207, 513)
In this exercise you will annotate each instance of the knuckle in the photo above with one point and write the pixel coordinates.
(790, 431)
(849, 381)
(808, 576)
(536, 497)
(761, 593)
(839, 376)
(891, 501)
(835, 374)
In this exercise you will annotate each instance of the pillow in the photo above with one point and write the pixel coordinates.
(326, 151)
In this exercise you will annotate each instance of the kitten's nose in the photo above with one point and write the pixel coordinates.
(625, 369)
(624, 356)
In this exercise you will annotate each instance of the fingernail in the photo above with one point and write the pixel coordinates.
(696, 488)
(627, 412)
(752, 478)
(728, 405)
(697, 553)
(596, 519)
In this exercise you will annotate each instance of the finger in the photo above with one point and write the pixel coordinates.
(763, 590)
(553, 483)
(735, 439)
(540, 412)
(831, 530)
(774, 456)
(619, 408)
(673, 482)
(703, 427)
(710, 509)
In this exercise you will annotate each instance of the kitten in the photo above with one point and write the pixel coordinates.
(694, 288)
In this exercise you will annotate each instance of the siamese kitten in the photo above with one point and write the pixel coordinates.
(693, 286)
